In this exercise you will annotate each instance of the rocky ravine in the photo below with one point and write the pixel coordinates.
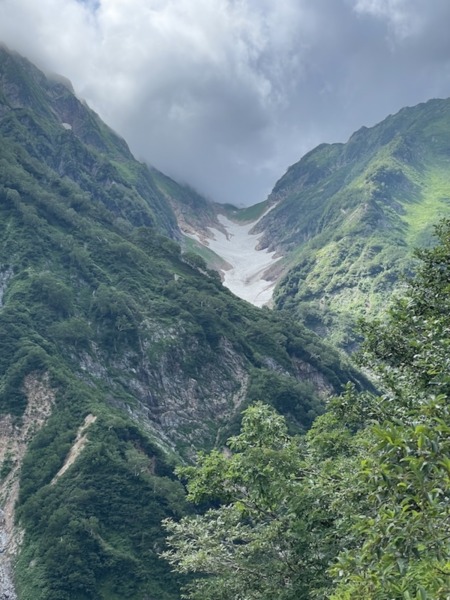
(14, 439)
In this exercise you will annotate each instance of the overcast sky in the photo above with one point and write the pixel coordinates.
(226, 94)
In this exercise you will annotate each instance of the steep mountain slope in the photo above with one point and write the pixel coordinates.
(119, 354)
(193, 212)
(347, 217)
(51, 125)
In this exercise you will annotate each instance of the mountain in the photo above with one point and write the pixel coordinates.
(120, 354)
(339, 229)
(347, 218)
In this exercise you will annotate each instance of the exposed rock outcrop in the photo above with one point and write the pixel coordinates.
(14, 439)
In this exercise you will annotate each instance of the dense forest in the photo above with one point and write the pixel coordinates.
(357, 508)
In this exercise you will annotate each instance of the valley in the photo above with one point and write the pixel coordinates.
(144, 327)
(346, 220)
(246, 264)
(132, 331)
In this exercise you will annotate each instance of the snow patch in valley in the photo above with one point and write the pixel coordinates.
(238, 247)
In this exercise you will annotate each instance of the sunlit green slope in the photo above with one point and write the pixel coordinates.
(349, 215)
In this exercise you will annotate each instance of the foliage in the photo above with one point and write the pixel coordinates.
(297, 400)
(276, 510)
(95, 531)
(404, 534)
(245, 215)
(404, 550)
(358, 508)
(7, 465)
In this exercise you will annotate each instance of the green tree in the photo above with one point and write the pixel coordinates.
(404, 533)
(275, 504)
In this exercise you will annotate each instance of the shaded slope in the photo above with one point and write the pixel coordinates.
(50, 125)
(193, 212)
(349, 216)
(98, 304)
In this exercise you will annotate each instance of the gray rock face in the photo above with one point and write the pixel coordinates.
(181, 410)
(14, 440)
(7, 591)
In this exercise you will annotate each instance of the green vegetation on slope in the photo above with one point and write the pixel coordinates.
(433, 205)
(96, 299)
(96, 532)
(192, 210)
(349, 216)
(212, 260)
(244, 215)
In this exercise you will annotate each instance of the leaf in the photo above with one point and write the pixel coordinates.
(422, 593)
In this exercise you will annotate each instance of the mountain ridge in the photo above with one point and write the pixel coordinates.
(101, 306)
(347, 217)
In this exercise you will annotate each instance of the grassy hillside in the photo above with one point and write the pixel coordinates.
(349, 216)
(244, 215)
(120, 354)
(193, 212)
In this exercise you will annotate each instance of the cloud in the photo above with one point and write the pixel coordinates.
(401, 19)
(225, 94)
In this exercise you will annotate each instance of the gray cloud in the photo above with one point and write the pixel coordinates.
(225, 94)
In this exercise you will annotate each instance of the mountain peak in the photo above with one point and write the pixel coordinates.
(348, 217)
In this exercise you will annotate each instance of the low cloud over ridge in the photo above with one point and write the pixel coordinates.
(225, 94)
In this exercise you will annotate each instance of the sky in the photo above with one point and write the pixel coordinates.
(225, 94)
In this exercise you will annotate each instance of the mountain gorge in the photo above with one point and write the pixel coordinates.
(344, 221)
(124, 353)
(121, 352)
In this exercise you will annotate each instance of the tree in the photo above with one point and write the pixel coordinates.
(404, 533)
(274, 508)
(232, 542)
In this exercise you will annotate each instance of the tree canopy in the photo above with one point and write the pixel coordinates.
(357, 508)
